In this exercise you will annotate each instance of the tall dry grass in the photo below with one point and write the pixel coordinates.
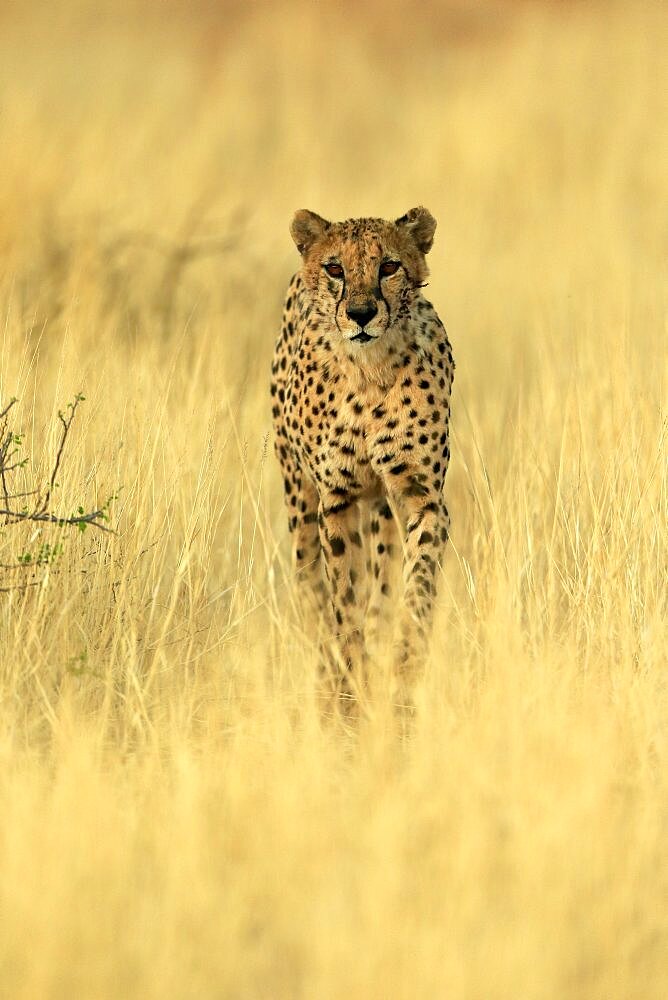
(176, 819)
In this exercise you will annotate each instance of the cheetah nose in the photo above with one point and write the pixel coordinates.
(362, 314)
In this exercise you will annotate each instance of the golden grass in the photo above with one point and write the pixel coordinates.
(176, 820)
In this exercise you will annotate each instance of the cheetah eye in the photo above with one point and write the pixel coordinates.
(389, 267)
(334, 270)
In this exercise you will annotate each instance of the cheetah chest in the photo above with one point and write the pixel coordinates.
(350, 442)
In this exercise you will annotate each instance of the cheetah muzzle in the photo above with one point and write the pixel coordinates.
(362, 338)
(361, 383)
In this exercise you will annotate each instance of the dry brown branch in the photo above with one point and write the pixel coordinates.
(66, 422)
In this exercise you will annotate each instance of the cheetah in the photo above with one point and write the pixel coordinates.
(361, 383)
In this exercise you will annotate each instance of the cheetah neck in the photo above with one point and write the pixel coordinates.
(374, 364)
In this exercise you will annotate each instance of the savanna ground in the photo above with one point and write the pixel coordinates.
(176, 818)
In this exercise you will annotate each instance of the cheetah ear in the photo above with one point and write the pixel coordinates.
(306, 227)
(421, 225)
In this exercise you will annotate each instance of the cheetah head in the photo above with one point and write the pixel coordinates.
(363, 274)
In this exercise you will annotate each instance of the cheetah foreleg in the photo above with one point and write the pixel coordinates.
(382, 563)
(427, 530)
(341, 545)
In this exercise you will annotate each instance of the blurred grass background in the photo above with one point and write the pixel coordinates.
(176, 821)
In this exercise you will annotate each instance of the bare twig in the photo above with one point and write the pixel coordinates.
(6, 441)
(8, 407)
(19, 496)
(66, 421)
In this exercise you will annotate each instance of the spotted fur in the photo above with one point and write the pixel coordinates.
(361, 384)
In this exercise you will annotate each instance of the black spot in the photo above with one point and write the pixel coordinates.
(338, 508)
(415, 489)
(337, 545)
